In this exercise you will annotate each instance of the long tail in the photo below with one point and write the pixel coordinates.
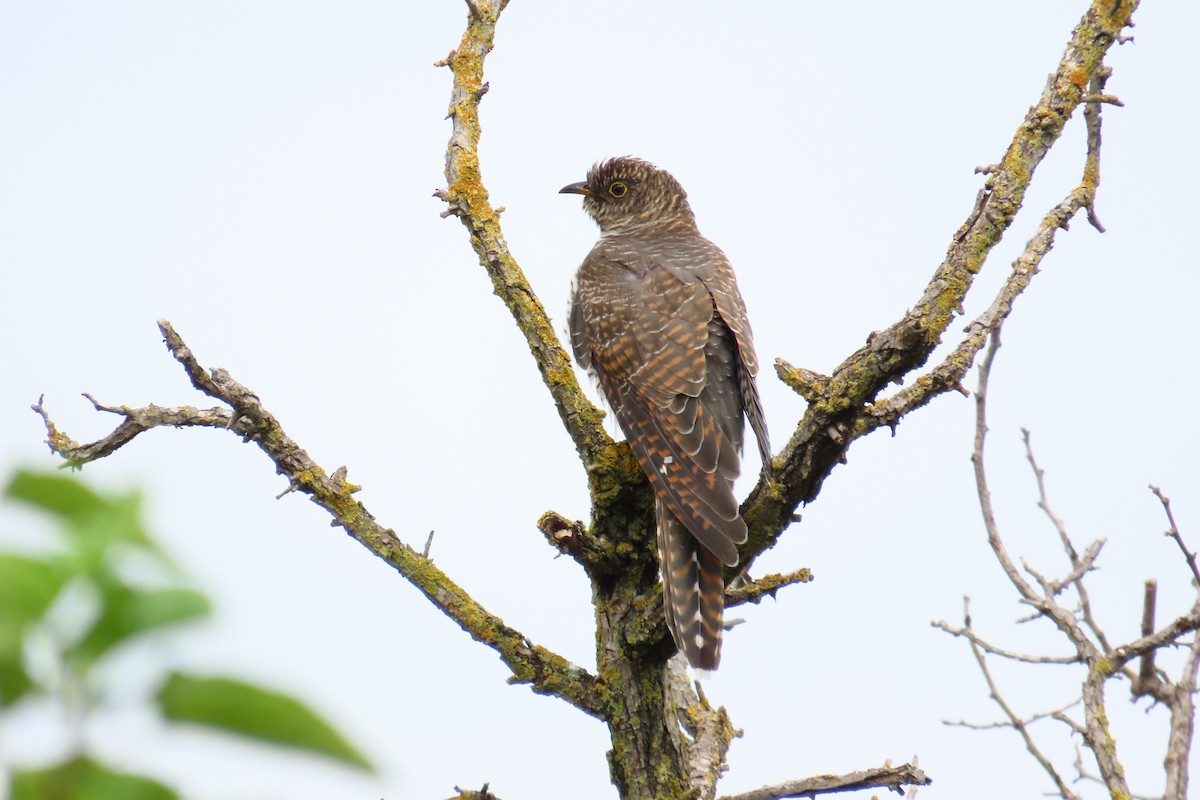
(693, 591)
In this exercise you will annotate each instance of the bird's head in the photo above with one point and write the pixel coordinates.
(625, 194)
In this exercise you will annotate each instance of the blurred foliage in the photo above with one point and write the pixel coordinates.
(101, 585)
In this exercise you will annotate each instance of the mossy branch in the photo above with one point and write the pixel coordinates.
(546, 672)
(844, 406)
(467, 198)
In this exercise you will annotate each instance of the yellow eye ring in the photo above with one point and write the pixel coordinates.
(618, 189)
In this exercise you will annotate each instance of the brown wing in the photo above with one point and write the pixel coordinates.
(667, 364)
(722, 285)
(694, 258)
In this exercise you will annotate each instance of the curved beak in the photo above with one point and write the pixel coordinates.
(576, 188)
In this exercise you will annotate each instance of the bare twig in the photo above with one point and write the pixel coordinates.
(1058, 714)
(1082, 774)
(1102, 660)
(885, 777)
(967, 633)
(1077, 565)
(1179, 697)
(1100, 664)
(1173, 532)
(1014, 721)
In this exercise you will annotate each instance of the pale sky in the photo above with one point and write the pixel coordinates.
(261, 175)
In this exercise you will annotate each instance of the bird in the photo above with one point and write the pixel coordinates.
(656, 318)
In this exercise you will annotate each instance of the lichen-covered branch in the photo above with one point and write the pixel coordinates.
(753, 591)
(547, 672)
(472, 794)
(845, 405)
(467, 198)
(885, 777)
(702, 733)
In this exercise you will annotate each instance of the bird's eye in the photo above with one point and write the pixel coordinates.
(618, 189)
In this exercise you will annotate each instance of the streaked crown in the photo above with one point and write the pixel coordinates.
(625, 194)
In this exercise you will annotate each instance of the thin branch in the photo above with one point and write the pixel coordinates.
(1058, 714)
(1100, 665)
(985, 496)
(1169, 635)
(1082, 774)
(1180, 697)
(647, 624)
(1079, 567)
(1014, 721)
(1173, 532)
(1012, 655)
(885, 777)
(753, 591)
(1091, 117)
(547, 672)
(136, 421)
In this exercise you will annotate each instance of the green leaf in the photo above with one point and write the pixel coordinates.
(54, 492)
(15, 682)
(128, 613)
(251, 711)
(94, 522)
(119, 521)
(85, 779)
(27, 588)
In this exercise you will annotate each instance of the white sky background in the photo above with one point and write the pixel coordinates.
(261, 175)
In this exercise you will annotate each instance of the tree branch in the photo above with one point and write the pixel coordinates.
(753, 591)
(885, 777)
(970, 635)
(546, 672)
(1014, 721)
(1183, 722)
(470, 794)
(1173, 532)
(467, 198)
(1078, 566)
(844, 407)
(1100, 665)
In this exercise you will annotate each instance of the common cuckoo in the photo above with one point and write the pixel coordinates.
(657, 319)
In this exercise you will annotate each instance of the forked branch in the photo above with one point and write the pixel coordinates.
(1091, 646)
